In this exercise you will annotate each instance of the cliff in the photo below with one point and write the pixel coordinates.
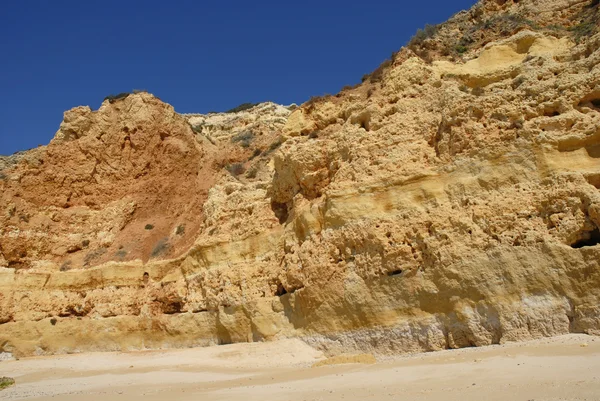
(449, 200)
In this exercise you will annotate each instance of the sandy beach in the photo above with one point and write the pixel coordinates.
(562, 368)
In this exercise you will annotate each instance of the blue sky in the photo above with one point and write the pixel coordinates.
(199, 56)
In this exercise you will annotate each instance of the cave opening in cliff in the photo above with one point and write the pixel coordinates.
(592, 239)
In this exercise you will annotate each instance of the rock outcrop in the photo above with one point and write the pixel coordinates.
(450, 200)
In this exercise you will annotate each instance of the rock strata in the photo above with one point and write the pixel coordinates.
(450, 200)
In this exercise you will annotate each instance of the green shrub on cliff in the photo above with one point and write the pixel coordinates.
(242, 107)
(114, 98)
(423, 34)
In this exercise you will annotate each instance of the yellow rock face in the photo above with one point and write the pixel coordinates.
(448, 203)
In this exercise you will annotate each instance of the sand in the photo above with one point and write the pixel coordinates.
(562, 368)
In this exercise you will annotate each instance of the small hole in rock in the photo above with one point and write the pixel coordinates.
(590, 238)
(590, 102)
(281, 211)
(280, 290)
(551, 113)
(395, 273)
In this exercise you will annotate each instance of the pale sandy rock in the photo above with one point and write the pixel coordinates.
(258, 119)
(297, 124)
(451, 201)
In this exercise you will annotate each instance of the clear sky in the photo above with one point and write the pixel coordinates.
(197, 55)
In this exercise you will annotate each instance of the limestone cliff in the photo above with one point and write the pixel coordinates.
(450, 200)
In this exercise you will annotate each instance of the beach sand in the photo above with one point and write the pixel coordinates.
(562, 368)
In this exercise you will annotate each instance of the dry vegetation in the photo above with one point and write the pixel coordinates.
(6, 382)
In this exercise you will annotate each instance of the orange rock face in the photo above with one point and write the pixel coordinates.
(125, 182)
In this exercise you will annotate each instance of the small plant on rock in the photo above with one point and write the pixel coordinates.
(6, 382)
(114, 98)
(197, 128)
(66, 266)
(121, 253)
(236, 169)
(460, 49)
(377, 75)
(256, 153)
(161, 247)
(423, 34)
(244, 138)
(242, 107)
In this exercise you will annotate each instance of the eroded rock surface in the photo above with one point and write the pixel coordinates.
(450, 200)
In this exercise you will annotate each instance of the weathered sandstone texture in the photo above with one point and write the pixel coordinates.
(450, 200)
